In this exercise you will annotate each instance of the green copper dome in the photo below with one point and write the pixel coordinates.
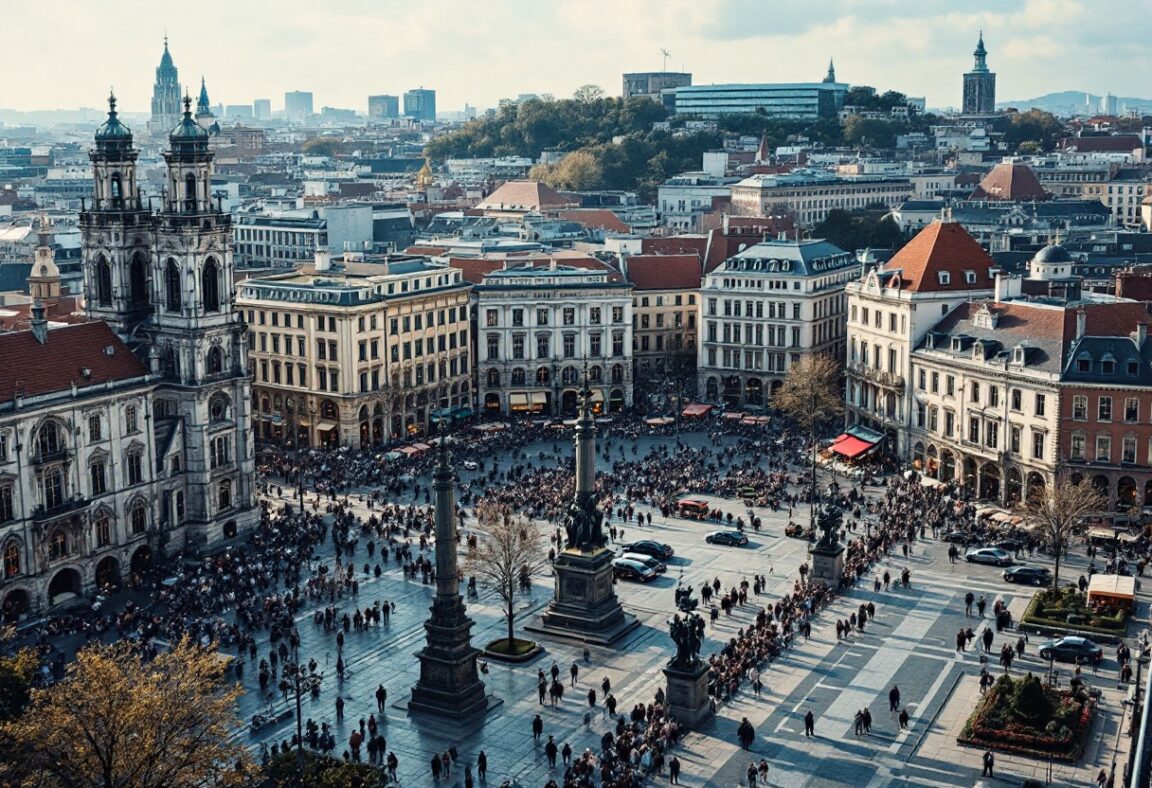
(112, 134)
(189, 136)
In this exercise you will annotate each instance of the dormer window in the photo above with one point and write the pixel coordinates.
(1084, 363)
(1133, 368)
(970, 277)
(945, 277)
(1108, 365)
(1018, 355)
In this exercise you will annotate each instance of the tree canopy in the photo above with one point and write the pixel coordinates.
(861, 228)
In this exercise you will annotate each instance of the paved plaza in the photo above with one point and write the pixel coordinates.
(910, 644)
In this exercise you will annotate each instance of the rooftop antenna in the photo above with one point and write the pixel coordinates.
(666, 55)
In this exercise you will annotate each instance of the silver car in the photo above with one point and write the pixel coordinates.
(989, 555)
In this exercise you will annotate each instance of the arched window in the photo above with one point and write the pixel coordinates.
(210, 284)
(215, 360)
(218, 409)
(493, 377)
(225, 494)
(617, 373)
(11, 559)
(138, 281)
(48, 440)
(139, 517)
(190, 192)
(58, 545)
(543, 376)
(172, 286)
(103, 282)
(103, 530)
(518, 377)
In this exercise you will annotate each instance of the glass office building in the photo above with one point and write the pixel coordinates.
(804, 100)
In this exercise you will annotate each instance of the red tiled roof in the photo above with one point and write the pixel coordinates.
(1010, 181)
(1107, 320)
(675, 244)
(29, 368)
(524, 196)
(1119, 143)
(474, 270)
(64, 310)
(664, 271)
(434, 251)
(595, 218)
(942, 247)
(740, 232)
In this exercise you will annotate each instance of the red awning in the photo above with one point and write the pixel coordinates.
(851, 446)
(697, 409)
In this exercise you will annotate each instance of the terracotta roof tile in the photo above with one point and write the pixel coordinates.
(675, 244)
(942, 247)
(595, 219)
(664, 271)
(29, 368)
(524, 196)
(1010, 181)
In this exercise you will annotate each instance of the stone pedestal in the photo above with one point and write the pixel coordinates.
(688, 694)
(584, 606)
(449, 684)
(827, 564)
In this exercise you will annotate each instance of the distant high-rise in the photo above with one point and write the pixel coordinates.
(420, 104)
(383, 107)
(1109, 105)
(298, 105)
(166, 109)
(262, 109)
(980, 84)
(651, 83)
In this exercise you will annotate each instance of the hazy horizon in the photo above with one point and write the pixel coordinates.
(344, 50)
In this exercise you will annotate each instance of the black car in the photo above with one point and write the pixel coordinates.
(1072, 648)
(625, 569)
(655, 549)
(727, 537)
(1031, 575)
(1011, 545)
(956, 537)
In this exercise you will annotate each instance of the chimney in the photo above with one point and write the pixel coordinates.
(323, 260)
(1081, 322)
(1141, 335)
(39, 324)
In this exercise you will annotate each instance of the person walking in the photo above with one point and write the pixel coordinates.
(969, 598)
(989, 762)
(381, 697)
(894, 698)
(339, 708)
(436, 768)
(566, 754)
(481, 766)
(674, 770)
(859, 722)
(867, 721)
(981, 605)
(574, 671)
(903, 719)
(988, 638)
(809, 724)
(746, 733)
(550, 751)
(537, 727)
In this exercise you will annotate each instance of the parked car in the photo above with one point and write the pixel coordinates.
(631, 570)
(989, 555)
(693, 508)
(470, 465)
(957, 537)
(1011, 545)
(1071, 648)
(650, 547)
(727, 537)
(1032, 575)
(659, 567)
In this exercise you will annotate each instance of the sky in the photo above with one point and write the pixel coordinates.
(479, 51)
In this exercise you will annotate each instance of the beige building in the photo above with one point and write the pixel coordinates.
(809, 196)
(665, 308)
(357, 354)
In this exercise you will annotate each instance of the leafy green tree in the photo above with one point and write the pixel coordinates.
(320, 771)
(1035, 125)
(321, 146)
(586, 94)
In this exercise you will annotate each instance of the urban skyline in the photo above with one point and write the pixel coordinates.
(872, 43)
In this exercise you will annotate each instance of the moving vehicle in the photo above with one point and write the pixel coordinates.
(694, 508)
(631, 570)
(1011, 545)
(651, 548)
(989, 555)
(1071, 648)
(727, 537)
(1032, 575)
(956, 537)
(659, 567)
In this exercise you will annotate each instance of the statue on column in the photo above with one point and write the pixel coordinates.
(828, 521)
(688, 635)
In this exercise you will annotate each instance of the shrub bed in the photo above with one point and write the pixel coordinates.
(1024, 717)
(1065, 610)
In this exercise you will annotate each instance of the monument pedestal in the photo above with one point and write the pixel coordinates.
(827, 564)
(584, 607)
(449, 684)
(687, 698)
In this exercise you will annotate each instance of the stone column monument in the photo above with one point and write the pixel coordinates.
(828, 553)
(584, 606)
(686, 673)
(448, 684)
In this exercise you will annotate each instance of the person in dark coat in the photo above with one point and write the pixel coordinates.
(809, 724)
(893, 698)
(746, 733)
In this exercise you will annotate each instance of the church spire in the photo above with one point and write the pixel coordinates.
(980, 55)
(831, 76)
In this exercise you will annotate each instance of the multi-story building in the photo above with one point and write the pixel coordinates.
(165, 96)
(683, 200)
(651, 83)
(540, 330)
(665, 294)
(129, 436)
(279, 241)
(1124, 195)
(763, 310)
(357, 355)
(979, 84)
(298, 106)
(802, 100)
(891, 308)
(809, 196)
(262, 109)
(420, 105)
(383, 107)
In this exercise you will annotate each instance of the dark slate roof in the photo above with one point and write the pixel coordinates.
(792, 257)
(1120, 351)
(1038, 329)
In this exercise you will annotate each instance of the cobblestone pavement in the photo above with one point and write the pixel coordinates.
(910, 644)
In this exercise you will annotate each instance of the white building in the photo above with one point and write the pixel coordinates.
(538, 329)
(763, 310)
(684, 198)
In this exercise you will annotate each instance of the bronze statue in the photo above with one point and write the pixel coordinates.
(584, 525)
(688, 635)
(828, 520)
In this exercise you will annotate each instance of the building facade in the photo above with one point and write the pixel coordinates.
(165, 96)
(358, 355)
(279, 241)
(763, 310)
(420, 105)
(298, 106)
(979, 84)
(538, 331)
(383, 107)
(802, 100)
(665, 311)
(809, 196)
(650, 83)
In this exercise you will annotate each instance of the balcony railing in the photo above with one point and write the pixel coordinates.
(41, 513)
(44, 458)
(878, 376)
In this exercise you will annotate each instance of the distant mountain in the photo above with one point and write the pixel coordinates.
(1073, 102)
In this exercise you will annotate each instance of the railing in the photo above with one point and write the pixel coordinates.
(41, 513)
(878, 376)
(57, 455)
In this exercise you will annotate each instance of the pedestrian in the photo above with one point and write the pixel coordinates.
(566, 754)
(481, 765)
(809, 724)
(989, 762)
(468, 782)
(674, 770)
(537, 727)
(867, 720)
(542, 688)
(339, 708)
(988, 638)
(981, 605)
(436, 768)
(969, 598)
(550, 751)
(903, 719)
(591, 698)
(752, 775)
(893, 698)
(574, 671)
(859, 722)
(746, 733)
(381, 697)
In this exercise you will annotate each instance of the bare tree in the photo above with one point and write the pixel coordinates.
(1059, 511)
(509, 546)
(811, 394)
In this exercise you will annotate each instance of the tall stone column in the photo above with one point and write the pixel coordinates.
(449, 684)
(584, 606)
